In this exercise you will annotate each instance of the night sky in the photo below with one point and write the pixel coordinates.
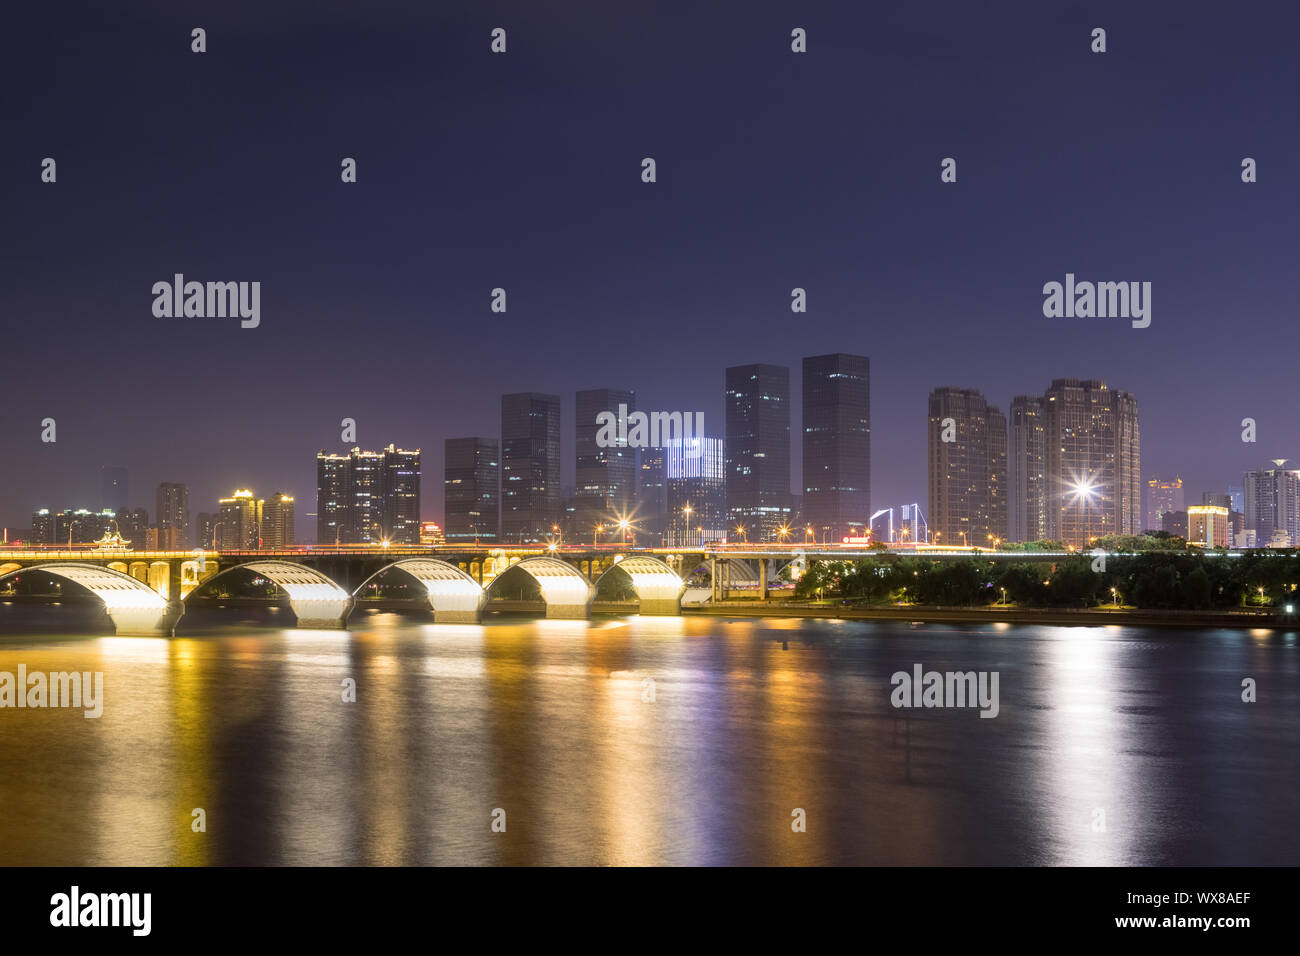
(522, 170)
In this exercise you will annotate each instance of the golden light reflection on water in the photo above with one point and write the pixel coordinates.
(631, 741)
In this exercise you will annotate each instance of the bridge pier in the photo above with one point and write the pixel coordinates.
(146, 621)
(327, 614)
(762, 578)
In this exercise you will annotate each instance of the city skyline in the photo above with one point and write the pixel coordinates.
(593, 259)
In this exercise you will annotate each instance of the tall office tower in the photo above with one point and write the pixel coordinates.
(277, 522)
(1093, 460)
(1164, 495)
(651, 495)
(1026, 471)
(1237, 495)
(400, 491)
(113, 489)
(133, 525)
(530, 467)
(1272, 500)
(695, 471)
(968, 469)
(331, 499)
(42, 527)
(758, 451)
(365, 497)
(1220, 498)
(240, 527)
(836, 445)
(606, 477)
(173, 511)
(471, 506)
(205, 529)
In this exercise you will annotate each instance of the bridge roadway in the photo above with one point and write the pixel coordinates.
(144, 591)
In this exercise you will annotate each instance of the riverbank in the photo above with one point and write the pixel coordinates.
(1061, 617)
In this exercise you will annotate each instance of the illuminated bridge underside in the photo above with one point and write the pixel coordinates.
(657, 586)
(566, 592)
(315, 599)
(132, 606)
(454, 596)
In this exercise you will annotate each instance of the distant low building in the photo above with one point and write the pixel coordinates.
(1208, 526)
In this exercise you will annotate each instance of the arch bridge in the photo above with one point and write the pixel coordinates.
(144, 592)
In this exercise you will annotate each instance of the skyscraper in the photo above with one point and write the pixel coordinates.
(1272, 499)
(530, 466)
(606, 477)
(471, 506)
(113, 489)
(1026, 471)
(277, 521)
(367, 497)
(240, 527)
(173, 511)
(758, 450)
(1092, 440)
(836, 445)
(651, 494)
(331, 498)
(696, 492)
(399, 488)
(1164, 496)
(968, 468)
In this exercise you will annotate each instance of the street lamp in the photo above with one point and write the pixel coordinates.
(1114, 597)
(809, 534)
(1004, 597)
(595, 535)
(686, 510)
(740, 529)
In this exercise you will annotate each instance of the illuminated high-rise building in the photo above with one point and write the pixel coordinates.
(277, 521)
(1026, 471)
(757, 451)
(400, 490)
(172, 510)
(651, 495)
(240, 522)
(1208, 526)
(1092, 440)
(368, 497)
(606, 476)
(332, 498)
(530, 467)
(967, 442)
(1272, 501)
(836, 446)
(471, 502)
(695, 471)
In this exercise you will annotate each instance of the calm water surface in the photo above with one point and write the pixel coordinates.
(647, 741)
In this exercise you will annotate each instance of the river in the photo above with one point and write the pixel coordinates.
(636, 740)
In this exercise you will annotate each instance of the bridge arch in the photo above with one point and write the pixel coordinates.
(454, 596)
(132, 606)
(658, 587)
(315, 599)
(566, 592)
